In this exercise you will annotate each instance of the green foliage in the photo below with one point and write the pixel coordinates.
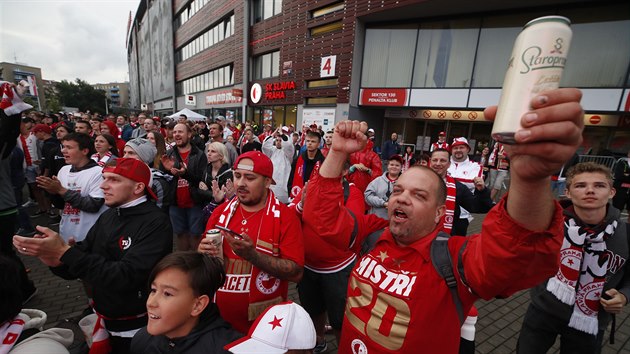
(80, 94)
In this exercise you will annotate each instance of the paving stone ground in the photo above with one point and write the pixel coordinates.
(497, 328)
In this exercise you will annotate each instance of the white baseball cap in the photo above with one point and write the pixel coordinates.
(282, 327)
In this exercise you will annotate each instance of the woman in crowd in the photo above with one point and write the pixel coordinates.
(408, 158)
(482, 159)
(377, 195)
(109, 127)
(157, 139)
(216, 185)
(106, 150)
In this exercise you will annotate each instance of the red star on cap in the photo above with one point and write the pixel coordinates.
(275, 323)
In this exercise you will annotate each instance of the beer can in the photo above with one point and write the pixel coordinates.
(214, 235)
(536, 65)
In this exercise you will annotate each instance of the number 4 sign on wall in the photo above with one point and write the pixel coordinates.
(327, 68)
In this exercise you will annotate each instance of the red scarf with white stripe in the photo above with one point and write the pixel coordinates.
(9, 333)
(266, 242)
(101, 161)
(451, 191)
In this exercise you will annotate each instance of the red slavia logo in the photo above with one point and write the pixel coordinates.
(124, 242)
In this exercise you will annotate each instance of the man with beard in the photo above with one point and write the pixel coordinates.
(464, 170)
(265, 251)
(117, 254)
(187, 164)
(397, 287)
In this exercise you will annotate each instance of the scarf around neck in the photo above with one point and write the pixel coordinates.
(582, 273)
(451, 192)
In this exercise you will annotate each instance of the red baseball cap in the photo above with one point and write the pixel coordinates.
(41, 128)
(262, 164)
(133, 169)
(442, 133)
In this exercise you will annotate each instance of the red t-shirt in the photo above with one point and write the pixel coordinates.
(233, 297)
(184, 200)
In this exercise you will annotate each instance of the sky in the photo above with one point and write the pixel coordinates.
(68, 39)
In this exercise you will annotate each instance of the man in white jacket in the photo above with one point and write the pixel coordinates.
(280, 150)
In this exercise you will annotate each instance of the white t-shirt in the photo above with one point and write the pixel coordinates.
(74, 222)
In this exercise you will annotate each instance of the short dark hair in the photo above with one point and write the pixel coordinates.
(84, 141)
(441, 150)
(183, 115)
(313, 134)
(206, 274)
(81, 121)
(588, 167)
(220, 127)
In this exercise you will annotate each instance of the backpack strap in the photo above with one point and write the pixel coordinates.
(441, 259)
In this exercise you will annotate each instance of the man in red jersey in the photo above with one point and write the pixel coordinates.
(266, 255)
(397, 302)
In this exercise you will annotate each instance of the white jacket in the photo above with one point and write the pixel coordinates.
(281, 160)
(465, 172)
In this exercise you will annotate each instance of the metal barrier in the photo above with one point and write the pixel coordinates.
(608, 161)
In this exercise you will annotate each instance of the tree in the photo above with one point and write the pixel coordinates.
(81, 95)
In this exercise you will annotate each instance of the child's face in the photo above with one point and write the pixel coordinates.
(172, 305)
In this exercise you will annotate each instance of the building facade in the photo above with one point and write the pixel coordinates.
(15, 72)
(117, 94)
(413, 67)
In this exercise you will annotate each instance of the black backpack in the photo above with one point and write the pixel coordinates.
(443, 264)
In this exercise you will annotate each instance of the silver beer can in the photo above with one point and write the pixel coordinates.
(214, 235)
(536, 65)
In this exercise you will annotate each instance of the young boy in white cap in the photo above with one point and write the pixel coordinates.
(282, 328)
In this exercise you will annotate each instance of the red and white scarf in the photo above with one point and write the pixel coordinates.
(451, 192)
(298, 176)
(10, 332)
(10, 101)
(100, 337)
(267, 242)
(101, 161)
(583, 266)
(406, 162)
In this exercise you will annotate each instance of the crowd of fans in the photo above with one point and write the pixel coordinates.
(352, 224)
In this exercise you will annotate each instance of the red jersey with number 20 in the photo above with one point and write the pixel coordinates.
(397, 302)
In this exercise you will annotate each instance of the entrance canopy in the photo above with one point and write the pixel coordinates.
(190, 114)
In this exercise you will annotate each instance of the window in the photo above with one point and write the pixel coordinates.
(213, 35)
(608, 37)
(444, 52)
(321, 100)
(264, 9)
(328, 9)
(321, 83)
(327, 28)
(496, 40)
(388, 57)
(220, 77)
(267, 65)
